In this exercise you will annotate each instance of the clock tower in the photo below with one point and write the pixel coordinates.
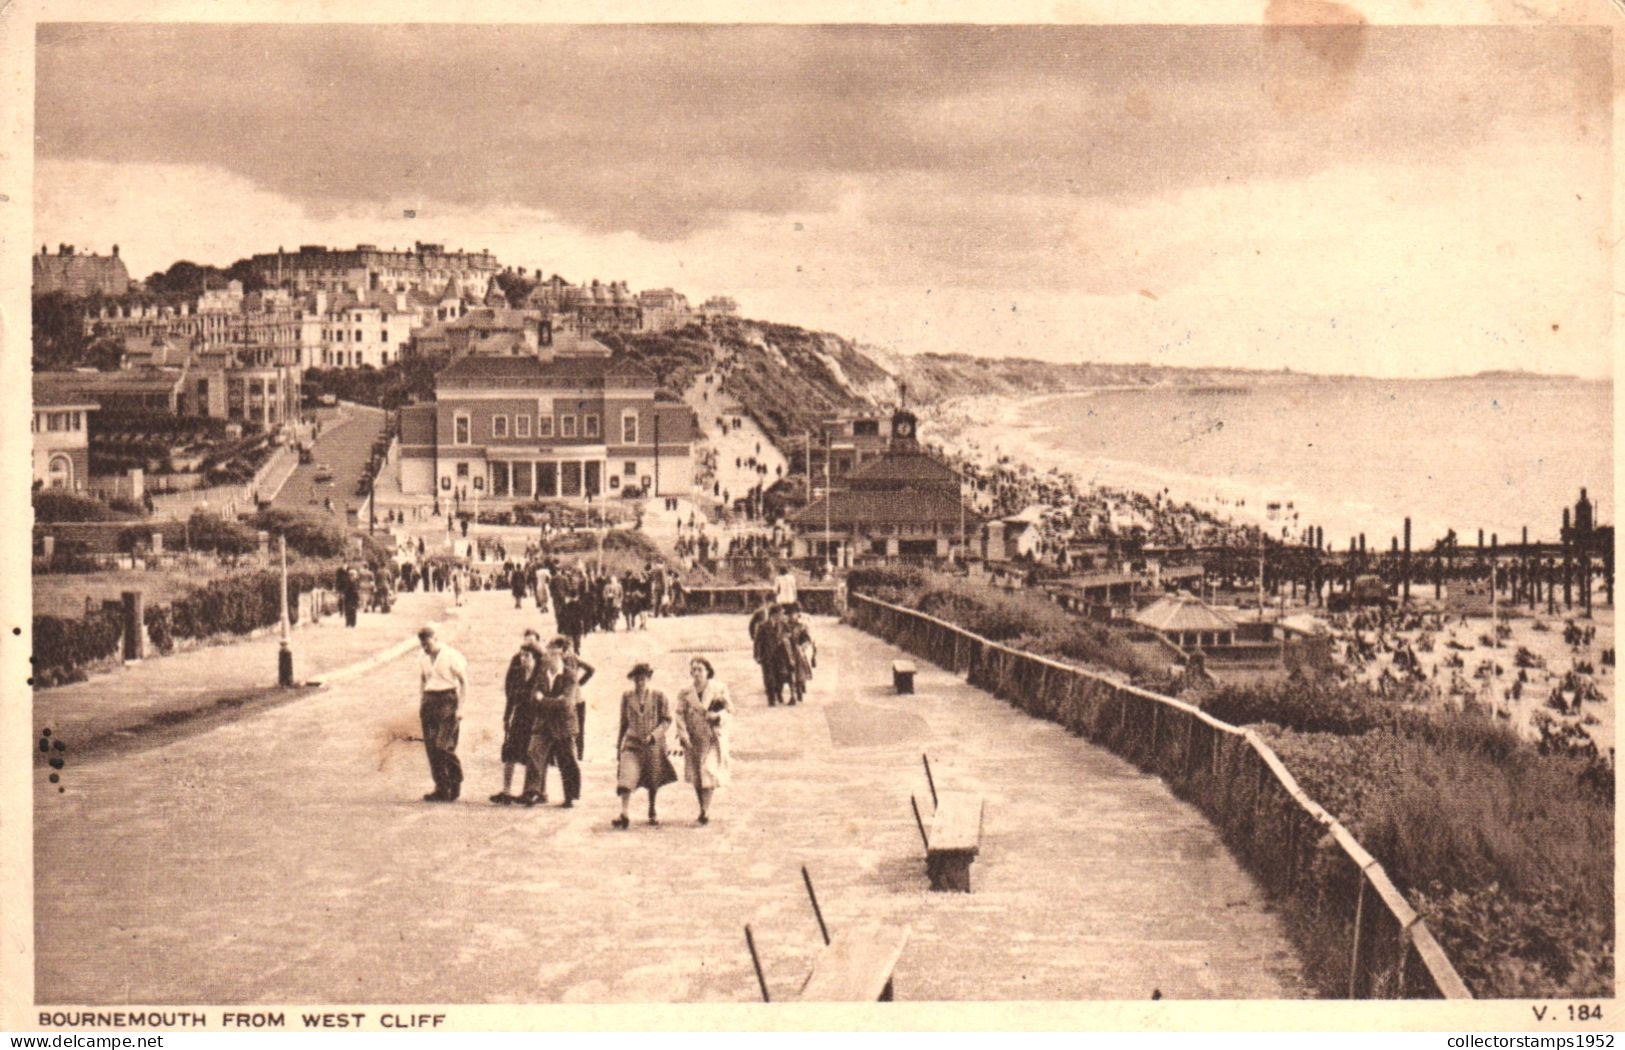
(904, 430)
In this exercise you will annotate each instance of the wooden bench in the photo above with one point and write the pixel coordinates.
(856, 966)
(902, 675)
(953, 840)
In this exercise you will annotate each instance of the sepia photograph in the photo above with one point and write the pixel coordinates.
(563, 513)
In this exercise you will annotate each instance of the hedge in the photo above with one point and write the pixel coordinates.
(64, 645)
(233, 605)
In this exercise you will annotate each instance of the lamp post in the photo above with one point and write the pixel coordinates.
(284, 656)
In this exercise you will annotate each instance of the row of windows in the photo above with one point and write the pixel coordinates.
(59, 421)
(462, 427)
(337, 335)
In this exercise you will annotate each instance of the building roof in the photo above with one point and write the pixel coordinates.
(529, 370)
(52, 392)
(88, 384)
(903, 468)
(887, 508)
(1175, 613)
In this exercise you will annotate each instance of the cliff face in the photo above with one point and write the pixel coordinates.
(789, 377)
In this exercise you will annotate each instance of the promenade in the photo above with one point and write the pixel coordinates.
(286, 857)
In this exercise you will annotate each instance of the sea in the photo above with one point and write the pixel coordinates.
(1352, 456)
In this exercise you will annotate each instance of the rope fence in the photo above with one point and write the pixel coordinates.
(1364, 935)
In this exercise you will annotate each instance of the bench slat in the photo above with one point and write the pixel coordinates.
(857, 965)
(957, 824)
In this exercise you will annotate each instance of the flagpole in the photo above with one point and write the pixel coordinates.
(828, 542)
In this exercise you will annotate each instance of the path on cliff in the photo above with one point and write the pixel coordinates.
(285, 857)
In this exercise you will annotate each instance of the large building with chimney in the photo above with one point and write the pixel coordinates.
(79, 274)
(507, 427)
(368, 268)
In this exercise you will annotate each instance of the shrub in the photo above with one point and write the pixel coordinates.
(54, 505)
(206, 532)
(308, 535)
(1308, 705)
(64, 645)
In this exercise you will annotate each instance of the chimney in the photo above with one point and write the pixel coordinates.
(115, 251)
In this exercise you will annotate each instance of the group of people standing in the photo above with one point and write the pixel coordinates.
(781, 643)
(544, 722)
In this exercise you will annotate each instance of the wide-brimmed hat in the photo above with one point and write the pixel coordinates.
(641, 669)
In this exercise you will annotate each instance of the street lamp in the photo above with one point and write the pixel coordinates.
(284, 656)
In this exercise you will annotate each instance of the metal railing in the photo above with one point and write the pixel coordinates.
(1365, 937)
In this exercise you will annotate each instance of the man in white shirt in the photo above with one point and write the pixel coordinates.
(784, 587)
(444, 674)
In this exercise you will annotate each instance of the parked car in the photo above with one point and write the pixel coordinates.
(324, 474)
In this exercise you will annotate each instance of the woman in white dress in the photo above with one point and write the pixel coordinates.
(704, 711)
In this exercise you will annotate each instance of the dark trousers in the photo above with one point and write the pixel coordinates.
(440, 726)
(351, 607)
(581, 730)
(558, 751)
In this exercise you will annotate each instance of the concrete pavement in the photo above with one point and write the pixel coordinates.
(113, 709)
(286, 857)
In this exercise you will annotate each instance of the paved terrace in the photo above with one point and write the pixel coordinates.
(285, 857)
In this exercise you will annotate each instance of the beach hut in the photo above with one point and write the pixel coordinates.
(1187, 621)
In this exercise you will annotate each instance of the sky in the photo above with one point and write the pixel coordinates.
(1399, 201)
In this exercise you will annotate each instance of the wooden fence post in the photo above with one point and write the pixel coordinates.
(1354, 951)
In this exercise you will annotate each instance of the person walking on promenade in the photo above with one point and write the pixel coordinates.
(542, 581)
(444, 675)
(784, 586)
(704, 710)
(641, 744)
(579, 673)
(554, 738)
(521, 685)
(518, 584)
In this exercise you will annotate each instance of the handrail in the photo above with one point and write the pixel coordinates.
(1379, 962)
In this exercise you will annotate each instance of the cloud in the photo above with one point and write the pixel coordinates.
(662, 131)
(1395, 201)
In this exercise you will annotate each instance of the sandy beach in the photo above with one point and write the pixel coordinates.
(985, 428)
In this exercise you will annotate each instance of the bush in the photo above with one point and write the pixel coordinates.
(63, 646)
(235, 605)
(1507, 853)
(1307, 705)
(54, 505)
(308, 535)
(206, 532)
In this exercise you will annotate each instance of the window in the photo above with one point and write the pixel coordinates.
(567, 426)
(358, 335)
(521, 426)
(631, 468)
(383, 335)
(544, 426)
(589, 425)
(499, 426)
(462, 470)
(629, 429)
(460, 431)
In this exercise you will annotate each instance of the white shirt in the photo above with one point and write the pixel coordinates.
(445, 671)
(784, 588)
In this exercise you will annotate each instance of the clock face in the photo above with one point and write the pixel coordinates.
(905, 429)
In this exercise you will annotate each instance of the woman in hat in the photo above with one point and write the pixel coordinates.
(645, 718)
(704, 710)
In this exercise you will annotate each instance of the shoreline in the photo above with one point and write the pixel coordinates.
(984, 428)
